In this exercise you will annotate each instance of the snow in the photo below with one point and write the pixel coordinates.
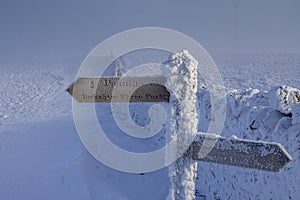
(296, 114)
(183, 125)
(283, 98)
(234, 137)
(43, 158)
(35, 92)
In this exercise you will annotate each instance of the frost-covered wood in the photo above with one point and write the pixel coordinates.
(182, 83)
(260, 155)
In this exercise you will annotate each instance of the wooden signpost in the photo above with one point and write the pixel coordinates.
(228, 151)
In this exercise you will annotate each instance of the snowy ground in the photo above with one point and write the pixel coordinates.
(42, 157)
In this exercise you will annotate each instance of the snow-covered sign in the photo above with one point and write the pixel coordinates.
(261, 155)
(185, 145)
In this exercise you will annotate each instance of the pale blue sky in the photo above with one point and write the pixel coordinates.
(36, 30)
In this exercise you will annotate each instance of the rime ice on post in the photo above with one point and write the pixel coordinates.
(182, 83)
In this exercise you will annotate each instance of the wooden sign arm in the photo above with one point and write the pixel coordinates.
(268, 156)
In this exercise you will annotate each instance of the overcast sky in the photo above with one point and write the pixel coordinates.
(36, 30)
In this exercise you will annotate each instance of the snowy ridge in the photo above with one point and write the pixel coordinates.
(260, 71)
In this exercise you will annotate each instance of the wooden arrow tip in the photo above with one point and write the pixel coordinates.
(285, 158)
(70, 89)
